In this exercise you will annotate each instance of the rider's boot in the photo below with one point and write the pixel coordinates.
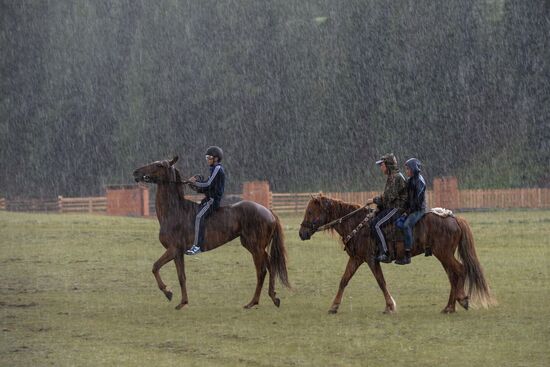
(405, 259)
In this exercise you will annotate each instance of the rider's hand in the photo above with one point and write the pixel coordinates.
(192, 179)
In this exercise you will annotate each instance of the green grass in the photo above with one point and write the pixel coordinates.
(78, 291)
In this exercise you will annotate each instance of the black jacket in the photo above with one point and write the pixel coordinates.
(214, 187)
(416, 188)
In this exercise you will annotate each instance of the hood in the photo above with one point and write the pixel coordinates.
(415, 165)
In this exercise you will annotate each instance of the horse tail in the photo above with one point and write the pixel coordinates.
(277, 257)
(478, 289)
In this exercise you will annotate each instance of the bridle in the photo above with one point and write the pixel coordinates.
(315, 227)
(173, 177)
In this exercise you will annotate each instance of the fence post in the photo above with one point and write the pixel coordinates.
(60, 203)
(257, 191)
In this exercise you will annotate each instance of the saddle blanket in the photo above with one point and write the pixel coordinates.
(442, 212)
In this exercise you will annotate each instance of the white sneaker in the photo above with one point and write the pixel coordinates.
(194, 250)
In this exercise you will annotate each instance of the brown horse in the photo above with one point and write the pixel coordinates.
(257, 227)
(442, 235)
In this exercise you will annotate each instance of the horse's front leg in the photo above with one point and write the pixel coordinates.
(376, 269)
(178, 259)
(165, 258)
(351, 268)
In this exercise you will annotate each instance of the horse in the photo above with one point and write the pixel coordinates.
(442, 235)
(258, 228)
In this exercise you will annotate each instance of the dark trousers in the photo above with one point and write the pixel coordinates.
(205, 209)
(379, 221)
(408, 227)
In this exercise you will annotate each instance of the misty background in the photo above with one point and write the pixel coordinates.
(304, 94)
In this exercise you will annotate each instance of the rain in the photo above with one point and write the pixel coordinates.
(305, 95)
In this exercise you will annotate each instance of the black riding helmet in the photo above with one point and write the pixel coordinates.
(215, 151)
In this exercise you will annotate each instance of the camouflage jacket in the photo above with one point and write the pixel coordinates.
(395, 192)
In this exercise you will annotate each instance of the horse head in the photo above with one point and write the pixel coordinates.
(315, 216)
(157, 172)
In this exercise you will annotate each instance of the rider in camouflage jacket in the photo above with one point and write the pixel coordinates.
(390, 205)
(395, 191)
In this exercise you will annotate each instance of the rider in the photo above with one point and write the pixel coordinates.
(415, 205)
(390, 204)
(213, 189)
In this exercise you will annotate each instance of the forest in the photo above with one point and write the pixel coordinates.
(304, 94)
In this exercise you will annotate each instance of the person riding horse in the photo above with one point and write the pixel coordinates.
(415, 206)
(391, 204)
(213, 189)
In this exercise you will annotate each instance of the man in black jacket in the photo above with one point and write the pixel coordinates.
(415, 205)
(213, 189)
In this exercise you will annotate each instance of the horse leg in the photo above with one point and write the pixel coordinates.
(178, 259)
(453, 276)
(272, 292)
(461, 295)
(391, 306)
(165, 258)
(457, 276)
(261, 270)
(352, 266)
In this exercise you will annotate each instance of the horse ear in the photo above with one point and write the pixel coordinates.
(174, 160)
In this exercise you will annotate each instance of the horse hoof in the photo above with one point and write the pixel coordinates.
(448, 311)
(332, 311)
(180, 306)
(277, 302)
(168, 295)
(250, 305)
(464, 303)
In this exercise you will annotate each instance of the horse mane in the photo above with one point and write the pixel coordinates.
(336, 208)
(180, 185)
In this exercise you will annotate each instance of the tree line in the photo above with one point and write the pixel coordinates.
(306, 95)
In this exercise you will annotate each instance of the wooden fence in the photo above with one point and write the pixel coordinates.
(97, 204)
(538, 198)
(467, 199)
(504, 198)
(61, 205)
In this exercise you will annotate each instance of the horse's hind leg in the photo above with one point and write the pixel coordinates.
(460, 276)
(260, 261)
(165, 258)
(456, 274)
(272, 293)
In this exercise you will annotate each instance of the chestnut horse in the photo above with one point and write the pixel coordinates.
(442, 235)
(257, 227)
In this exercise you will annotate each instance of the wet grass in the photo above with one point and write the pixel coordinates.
(78, 290)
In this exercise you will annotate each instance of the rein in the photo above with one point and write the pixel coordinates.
(312, 226)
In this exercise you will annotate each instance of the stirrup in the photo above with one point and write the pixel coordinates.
(194, 250)
(384, 258)
(403, 261)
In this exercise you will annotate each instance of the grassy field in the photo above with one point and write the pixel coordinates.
(78, 291)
